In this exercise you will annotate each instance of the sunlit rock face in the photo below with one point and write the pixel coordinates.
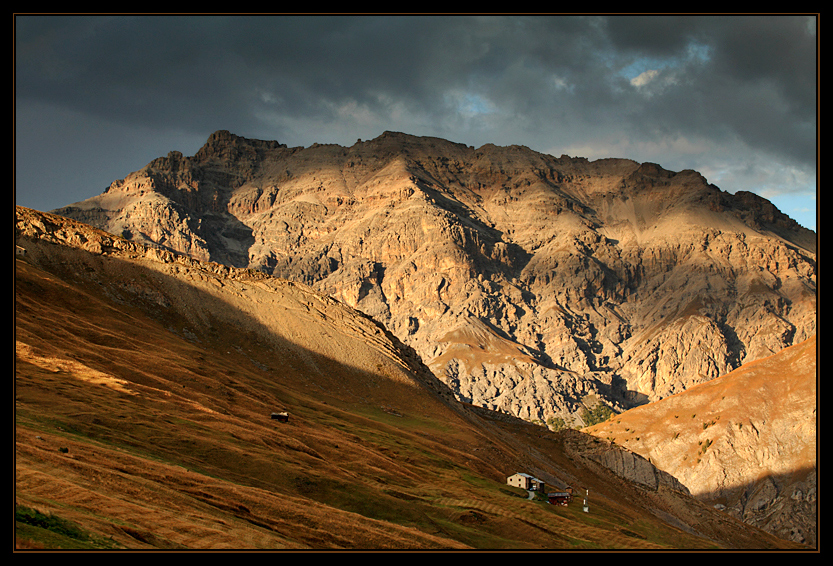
(533, 284)
(744, 442)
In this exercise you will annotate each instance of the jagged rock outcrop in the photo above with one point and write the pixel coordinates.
(528, 283)
(621, 461)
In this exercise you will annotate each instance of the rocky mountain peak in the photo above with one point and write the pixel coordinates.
(620, 281)
(230, 150)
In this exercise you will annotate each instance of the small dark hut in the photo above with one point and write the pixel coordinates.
(560, 497)
(280, 417)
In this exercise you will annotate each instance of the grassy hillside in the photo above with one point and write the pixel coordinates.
(143, 395)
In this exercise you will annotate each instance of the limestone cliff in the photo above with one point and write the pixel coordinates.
(529, 283)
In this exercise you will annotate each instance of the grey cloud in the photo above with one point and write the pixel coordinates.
(545, 82)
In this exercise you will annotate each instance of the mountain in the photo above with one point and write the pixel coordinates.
(145, 388)
(544, 287)
(744, 442)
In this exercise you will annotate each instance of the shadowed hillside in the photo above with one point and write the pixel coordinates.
(144, 387)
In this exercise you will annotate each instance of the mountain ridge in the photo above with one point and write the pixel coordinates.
(619, 280)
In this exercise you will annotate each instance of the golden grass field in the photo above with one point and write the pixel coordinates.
(143, 394)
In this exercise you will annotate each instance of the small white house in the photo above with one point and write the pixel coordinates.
(525, 481)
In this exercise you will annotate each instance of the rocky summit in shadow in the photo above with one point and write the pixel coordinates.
(551, 288)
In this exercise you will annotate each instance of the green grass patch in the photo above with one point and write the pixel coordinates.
(473, 536)
(384, 503)
(36, 530)
(399, 419)
(598, 414)
(479, 482)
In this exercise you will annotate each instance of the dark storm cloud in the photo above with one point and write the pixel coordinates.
(192, 69)
(136, 70)
(661, 88)
(755, 79)
(154, 68)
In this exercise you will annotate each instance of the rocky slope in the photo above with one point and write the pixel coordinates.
(144, 383)
(530, 284)
(744, 442)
